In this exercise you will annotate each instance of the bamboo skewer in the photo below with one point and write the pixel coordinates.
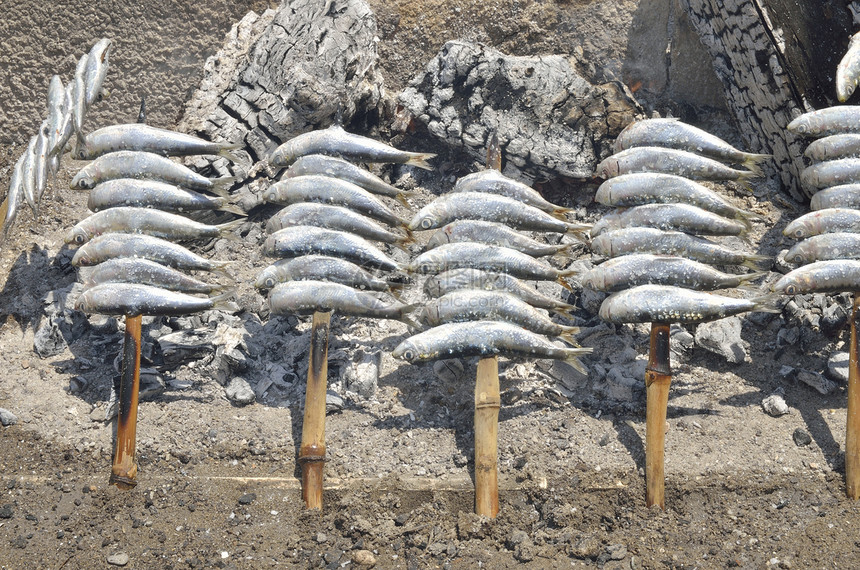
(312, 450)
(658, 376)
(124, 469)
(487, 404)
(852, 428)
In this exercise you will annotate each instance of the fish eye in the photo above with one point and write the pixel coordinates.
(426, 223)
(80, 239)
(798, 233)
(269, 283)
(791, 290)
(408, 354)
(797, 258)
(425, 268)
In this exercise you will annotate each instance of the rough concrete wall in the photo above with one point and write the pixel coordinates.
(159, 50)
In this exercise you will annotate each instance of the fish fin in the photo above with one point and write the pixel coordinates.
(577, 229)
(419, 160)
(221, 186)
(220, 268)
(752, 160)
(563, 282)
(406, 319)
(747, 226)
(758, 262)
(396, 290)
(568, 336)
(572, 358)
(749, 277)
(227, 152)
(755, 171)
(403, 195)
(746, 215)
(233, 209)
(559, 210)
(401, 245)
(224, 302)
(564, 311)
(770, 303)
(226, 230)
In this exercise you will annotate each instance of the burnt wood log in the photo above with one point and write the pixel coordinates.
(776, 60)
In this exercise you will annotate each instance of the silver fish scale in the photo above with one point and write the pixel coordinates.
(337, 142)
(319, 268)
(829, 220)
(681, 217)
(335, 167)
(842, 196)
(628, 241)
(303, 297)
(469, 278)
(669, 161)
(828, 121)
(848, 70)
(303, 240)
(146, 272)
(666, 304)
(148, 193)
(324, 189)
(833, 276)
(844, 145)
(332, 218)
(643, 269)
(137, 164)
(481, 338)
(111, 245)
(823, 247)
(482, 256)
(831, 173)
(491, 233)
(128, 219)
(488, 207)
(494, 182)
(639, 188)
(672, 133)
(477, 305)
(142, 137)
(135, 299)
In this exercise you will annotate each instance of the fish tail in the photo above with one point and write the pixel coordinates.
(770, 303)
(753, 171)
(561, 213)
(224, 301)
(753, 161)
(410, 236)
(403, 195)
(757, 262)
(568, 336)
(563, 282)
(748, 278)
(220, 268)
(746, 215)
(404, 317)
(226, 230)
(419, 160)
(747, 225)
(232, 208)
(396, 289)
(221, 186)
(227, 152)
(572, 357)
(564, 311)
(576, 229)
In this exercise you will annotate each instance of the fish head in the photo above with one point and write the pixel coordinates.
(595, 279)
(799, 229)
(82, 258)
(78, 235)
(83, 180)
(270, 194)
(427, 263)
(83, 303)
(799, 126)
(441, 237)
(284, 155)
(426, 219)
(433, 286)
(601, 245)
(604, 193)
(786, 285)
(408, 350)
(607, 168)
(800, 254)
(81, 152)
(429, 314)
(266, 279)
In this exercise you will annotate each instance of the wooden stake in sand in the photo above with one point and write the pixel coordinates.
(852, 428)
(487, 404)
(312, 450)
(124, 468)
(658, 376)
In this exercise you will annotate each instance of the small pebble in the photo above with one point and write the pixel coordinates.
(801, 437)
(7, 418)
(118, 559)
(774, 405)
(247, 498)
(363, 558)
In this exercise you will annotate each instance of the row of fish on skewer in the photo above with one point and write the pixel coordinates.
(67, 109)
(660, 269)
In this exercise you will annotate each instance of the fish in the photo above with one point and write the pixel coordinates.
(672, 133)
(487, 257)
(127, 219)
(823, 247)
(132, 299)
(628, 241)
(830, 173)
(667, 304)
(12, 202)
(494, 182)
(332, 218)
(827, 121)
(322, 268)
(113, 245)
(147, 272)
(493, 233)
(844, 145)
(826, 221)
(57, 114)
(137, 164)
(326, 190)
(470, 278)
(638, 188)
(306, 297)
(643, 269)
(295, 241)
(79, 108)
(848, 70)
(484, 338)
(335, 141)
(40, 154)
(96, 71)
(491, 208)
(145, 138)
(335, 167)
(66, 129)
(155, 194)
(831, 276)
(478, 305)
(680, 217)
(671, 161)
(28, 175)
(842, 196)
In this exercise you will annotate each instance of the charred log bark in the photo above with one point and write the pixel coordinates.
(776, 59)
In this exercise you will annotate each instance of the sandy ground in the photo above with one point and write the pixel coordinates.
(217, 483)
